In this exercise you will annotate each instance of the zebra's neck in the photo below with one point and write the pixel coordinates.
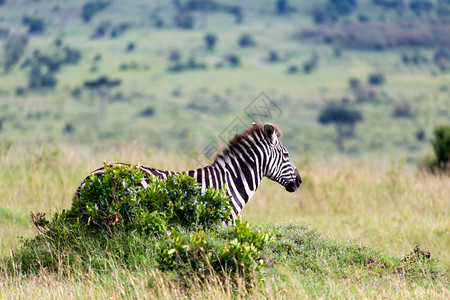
(240, 171)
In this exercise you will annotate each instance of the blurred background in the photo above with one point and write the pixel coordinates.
(367, 78)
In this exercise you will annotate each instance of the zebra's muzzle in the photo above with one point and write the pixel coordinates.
(294, 184)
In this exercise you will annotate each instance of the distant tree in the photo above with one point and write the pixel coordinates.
(283, 7)
(246, 40)
(69, 128)
(158, 22)
(343, 117)
(441, 147)
(13, 50)
(234, 60)
(420, 135)
(376, 79)
(354, 83)
(2, 2)
(389, 4)
(210, 41)
(292, 69)
(342, 7)
(442, 59)
(91, 8)
(130, 47)
(174, 55)
(119, 29)
(177, 4)
(236, 11)
(337, 52)
(35, 24)
(102, 85)
(101, 30)
(185, 20)
(147, 112)
(71, 56)
(202, 5)
(363, 18)
(403, 109)
(308, 67)
(443, 8)
(273, 56)
(4, 33)
(311, 64)
(420, 7)
(41, 76)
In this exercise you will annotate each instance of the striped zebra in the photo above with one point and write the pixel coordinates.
(251, 155)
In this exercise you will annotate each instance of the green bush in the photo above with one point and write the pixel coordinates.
(170, 225)
(441, 147)
(231, 255)
(115, 200)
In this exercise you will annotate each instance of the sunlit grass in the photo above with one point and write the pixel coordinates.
(387, 207)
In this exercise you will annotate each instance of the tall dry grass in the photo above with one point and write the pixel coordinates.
(388, 207)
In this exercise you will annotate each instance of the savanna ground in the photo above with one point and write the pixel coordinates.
(390, 209)
(373, 194)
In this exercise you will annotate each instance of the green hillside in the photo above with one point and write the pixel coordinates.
(174, 93)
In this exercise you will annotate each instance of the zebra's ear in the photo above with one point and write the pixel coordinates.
(269, 132)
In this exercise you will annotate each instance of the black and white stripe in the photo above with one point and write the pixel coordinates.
(251, 155)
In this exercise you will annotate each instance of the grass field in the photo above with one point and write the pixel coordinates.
(389, 209)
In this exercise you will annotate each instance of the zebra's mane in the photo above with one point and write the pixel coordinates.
(254, 133)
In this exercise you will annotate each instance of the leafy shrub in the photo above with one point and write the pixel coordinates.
(239, 257)
(170, 225)
(121, 202)
(441, 147)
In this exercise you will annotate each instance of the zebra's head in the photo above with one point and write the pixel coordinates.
(279, 166)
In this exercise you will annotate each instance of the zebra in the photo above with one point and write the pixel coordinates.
(251, 155)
